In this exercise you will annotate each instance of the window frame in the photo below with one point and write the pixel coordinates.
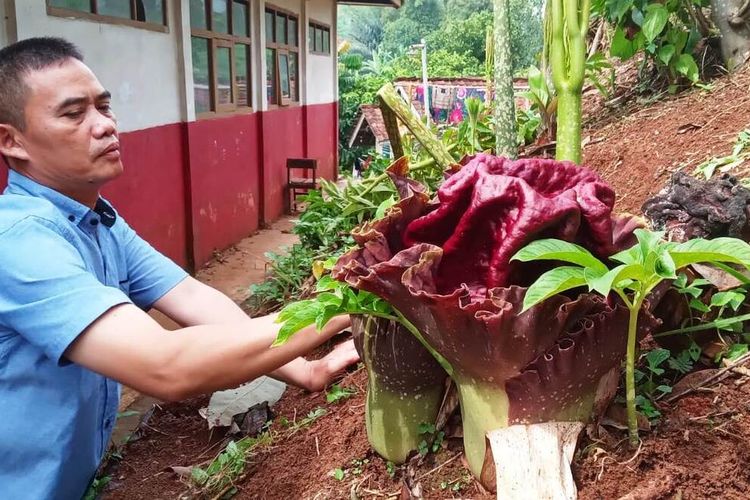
(226, 40)
(101, 18)
(285, 49)
(312, 26)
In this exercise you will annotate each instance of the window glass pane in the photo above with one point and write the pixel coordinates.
(242, 74)
(293, 89)
(271, 76)
(280, 29)
(82, 5)
(198, 14)
(310, 37)
(224, 75)
(327, 41)
(292, 32)
(219, 16)
(116, 8)
(239, 19)
(284, 74)
(269, 26)
(151, 11)
(318, 40)
(201, 75)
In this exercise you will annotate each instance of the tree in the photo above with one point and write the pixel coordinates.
(362, 26)
(409, 24)
(525, 32)
(440, 64)
(462, 36)
(461, 9)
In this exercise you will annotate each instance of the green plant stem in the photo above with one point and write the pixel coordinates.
(719, 323)
(569, 127)
(630, 369)
(484, 407)
(569, 24)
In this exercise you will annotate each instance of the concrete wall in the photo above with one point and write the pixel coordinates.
(140, 67)
(3, 24)
(321, 69)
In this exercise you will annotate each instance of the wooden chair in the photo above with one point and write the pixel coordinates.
(297, 185)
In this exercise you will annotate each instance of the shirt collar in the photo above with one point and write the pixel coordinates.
(73, 210)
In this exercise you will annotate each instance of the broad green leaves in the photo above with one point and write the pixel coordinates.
(552, 249)
(655, 21)
(642, 267)
(556, 281)
(665, 31)
(333, 299)
(728, 250)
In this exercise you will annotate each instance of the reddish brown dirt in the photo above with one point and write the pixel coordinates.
(699, 450)
(638, 148)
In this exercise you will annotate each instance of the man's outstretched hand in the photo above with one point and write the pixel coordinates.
(327, 369)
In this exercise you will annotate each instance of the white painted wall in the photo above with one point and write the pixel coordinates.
(140, 67)
(3, 25)
(320, 70)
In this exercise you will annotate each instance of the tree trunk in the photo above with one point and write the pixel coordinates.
(505, 106)
(732, 17)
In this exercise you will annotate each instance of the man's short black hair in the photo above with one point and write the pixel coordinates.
(21, 58)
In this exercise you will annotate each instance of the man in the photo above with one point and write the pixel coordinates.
(75, 281)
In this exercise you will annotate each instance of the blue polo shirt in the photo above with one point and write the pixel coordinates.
(62, 266)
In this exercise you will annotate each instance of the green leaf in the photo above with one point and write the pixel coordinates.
(553, 282)
(622, 47)
(618, 8)
(656, 358)
(199, 476)
(338, 474)
(295, 317)
(605, 283)
(736, 350)
(552, 249)
(655, 21)
(687, 67)
(385, 205)
(631, 255)
(337, 393)
(666, 52)
(699, 250)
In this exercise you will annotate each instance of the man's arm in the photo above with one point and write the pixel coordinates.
(127, 345)
(192, 303)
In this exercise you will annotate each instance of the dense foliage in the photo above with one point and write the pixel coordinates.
(377, 48)
(668, 33)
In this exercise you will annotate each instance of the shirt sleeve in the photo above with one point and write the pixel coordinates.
(151, 274)
(46, 293)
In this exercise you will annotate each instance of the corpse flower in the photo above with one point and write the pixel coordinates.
(446, 267)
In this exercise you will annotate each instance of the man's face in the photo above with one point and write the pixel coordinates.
(70, 138)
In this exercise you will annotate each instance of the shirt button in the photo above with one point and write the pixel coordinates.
(71, 218)
(94, 222)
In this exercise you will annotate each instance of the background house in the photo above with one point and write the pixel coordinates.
(212, 97)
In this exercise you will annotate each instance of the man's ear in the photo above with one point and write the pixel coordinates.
(11, 144)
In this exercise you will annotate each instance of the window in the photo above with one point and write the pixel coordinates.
(149, 14)
(220, 42)
(319, 38)
(282, 57)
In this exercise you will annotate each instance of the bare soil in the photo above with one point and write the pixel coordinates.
(699, 450)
